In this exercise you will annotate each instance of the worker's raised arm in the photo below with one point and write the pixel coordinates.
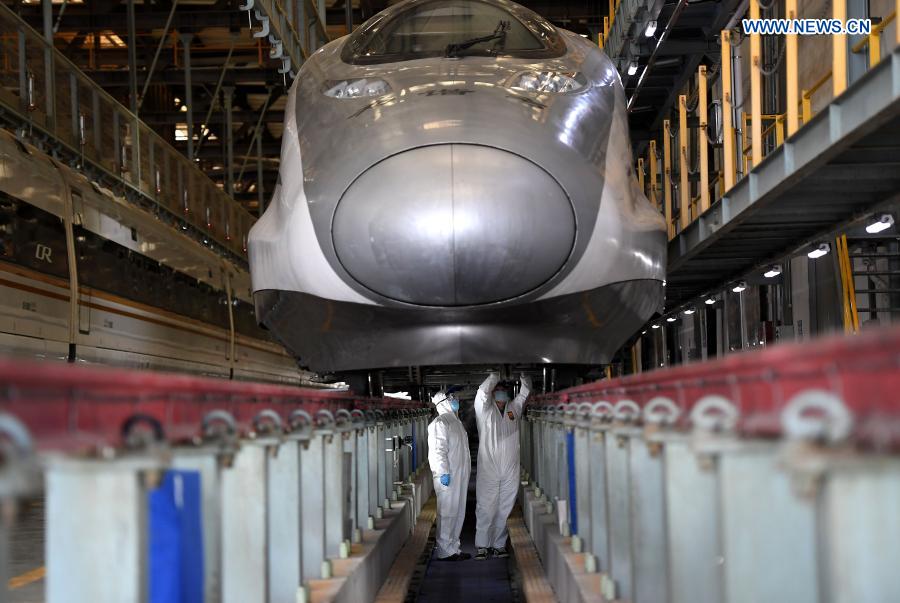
(483, 397)
(524, 391)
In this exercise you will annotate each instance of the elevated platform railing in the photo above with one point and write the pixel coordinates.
(48, 99)
(744, 139)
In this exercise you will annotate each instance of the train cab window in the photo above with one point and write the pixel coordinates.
(456, 28)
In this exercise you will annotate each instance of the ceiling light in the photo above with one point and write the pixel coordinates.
(671, 319)
(632, 67)
(740, 286)
(710, 301)
(651, 29)
(654, 327)
(689, 311)
(820, 250)
(884, 222)
(773, 271)
(644, 332)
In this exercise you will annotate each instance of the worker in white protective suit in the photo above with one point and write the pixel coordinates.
(451, 465)
(497, 480)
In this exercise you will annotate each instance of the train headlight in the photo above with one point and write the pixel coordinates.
(554, 82)
(358, 88)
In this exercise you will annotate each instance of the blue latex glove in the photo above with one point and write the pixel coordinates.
(445, 479)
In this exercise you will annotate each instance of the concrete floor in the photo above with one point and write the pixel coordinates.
(26, 554)
(486, 581)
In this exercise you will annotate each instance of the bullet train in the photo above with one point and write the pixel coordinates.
(456, 187)
(87, 277)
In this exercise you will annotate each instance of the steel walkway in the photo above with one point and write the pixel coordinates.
(844, 163)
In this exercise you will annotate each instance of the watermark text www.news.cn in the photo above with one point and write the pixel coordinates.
(807, 27)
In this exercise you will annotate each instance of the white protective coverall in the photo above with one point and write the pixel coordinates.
(497, 479)
(448, 453)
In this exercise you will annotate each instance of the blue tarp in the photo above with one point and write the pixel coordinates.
(176, 539)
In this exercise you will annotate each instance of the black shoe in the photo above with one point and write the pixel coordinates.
(463, 556)
(500, 553)
(481, 554)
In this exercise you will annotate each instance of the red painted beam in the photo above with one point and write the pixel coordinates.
(863, 372)
(81, 409)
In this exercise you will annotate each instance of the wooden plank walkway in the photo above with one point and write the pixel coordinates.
(396, 586)
(535, 586)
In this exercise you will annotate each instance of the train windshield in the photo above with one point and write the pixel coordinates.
(453, 28)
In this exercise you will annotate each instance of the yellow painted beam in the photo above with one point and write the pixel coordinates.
(728, 159)
(684, 197)
(703, 139)
(667, 176)
(839, 45)
(755, 90)
(875, 47)
(792, 77)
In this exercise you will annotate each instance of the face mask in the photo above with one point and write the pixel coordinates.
(501, 396)
(454, 404)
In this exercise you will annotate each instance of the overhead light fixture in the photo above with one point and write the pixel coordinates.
(654, 326)
(710, 301)
(689, 311)
(644, 332)
(651, 29)
(671, 319)
(884, 222)
(740, 286)
(632, 67)
(820, 250)
(773, 271)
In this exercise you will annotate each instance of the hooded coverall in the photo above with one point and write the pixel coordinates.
(448, 453)
(497, 479)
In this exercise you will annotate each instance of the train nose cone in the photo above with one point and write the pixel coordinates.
(453, 225)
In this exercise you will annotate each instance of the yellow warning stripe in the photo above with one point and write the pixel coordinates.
(27, 578)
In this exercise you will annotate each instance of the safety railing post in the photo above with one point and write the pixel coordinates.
(667, 177)
(839, 46)
(728, 152)
(684, 192)
(792, 79)
(756, 141)
(703, 139)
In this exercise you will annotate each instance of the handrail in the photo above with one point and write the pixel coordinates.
(754, 126)
(52, 97)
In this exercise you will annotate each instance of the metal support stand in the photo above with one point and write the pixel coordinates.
(96, 528)
(285, 538)
(244, 529)
(312, 506)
